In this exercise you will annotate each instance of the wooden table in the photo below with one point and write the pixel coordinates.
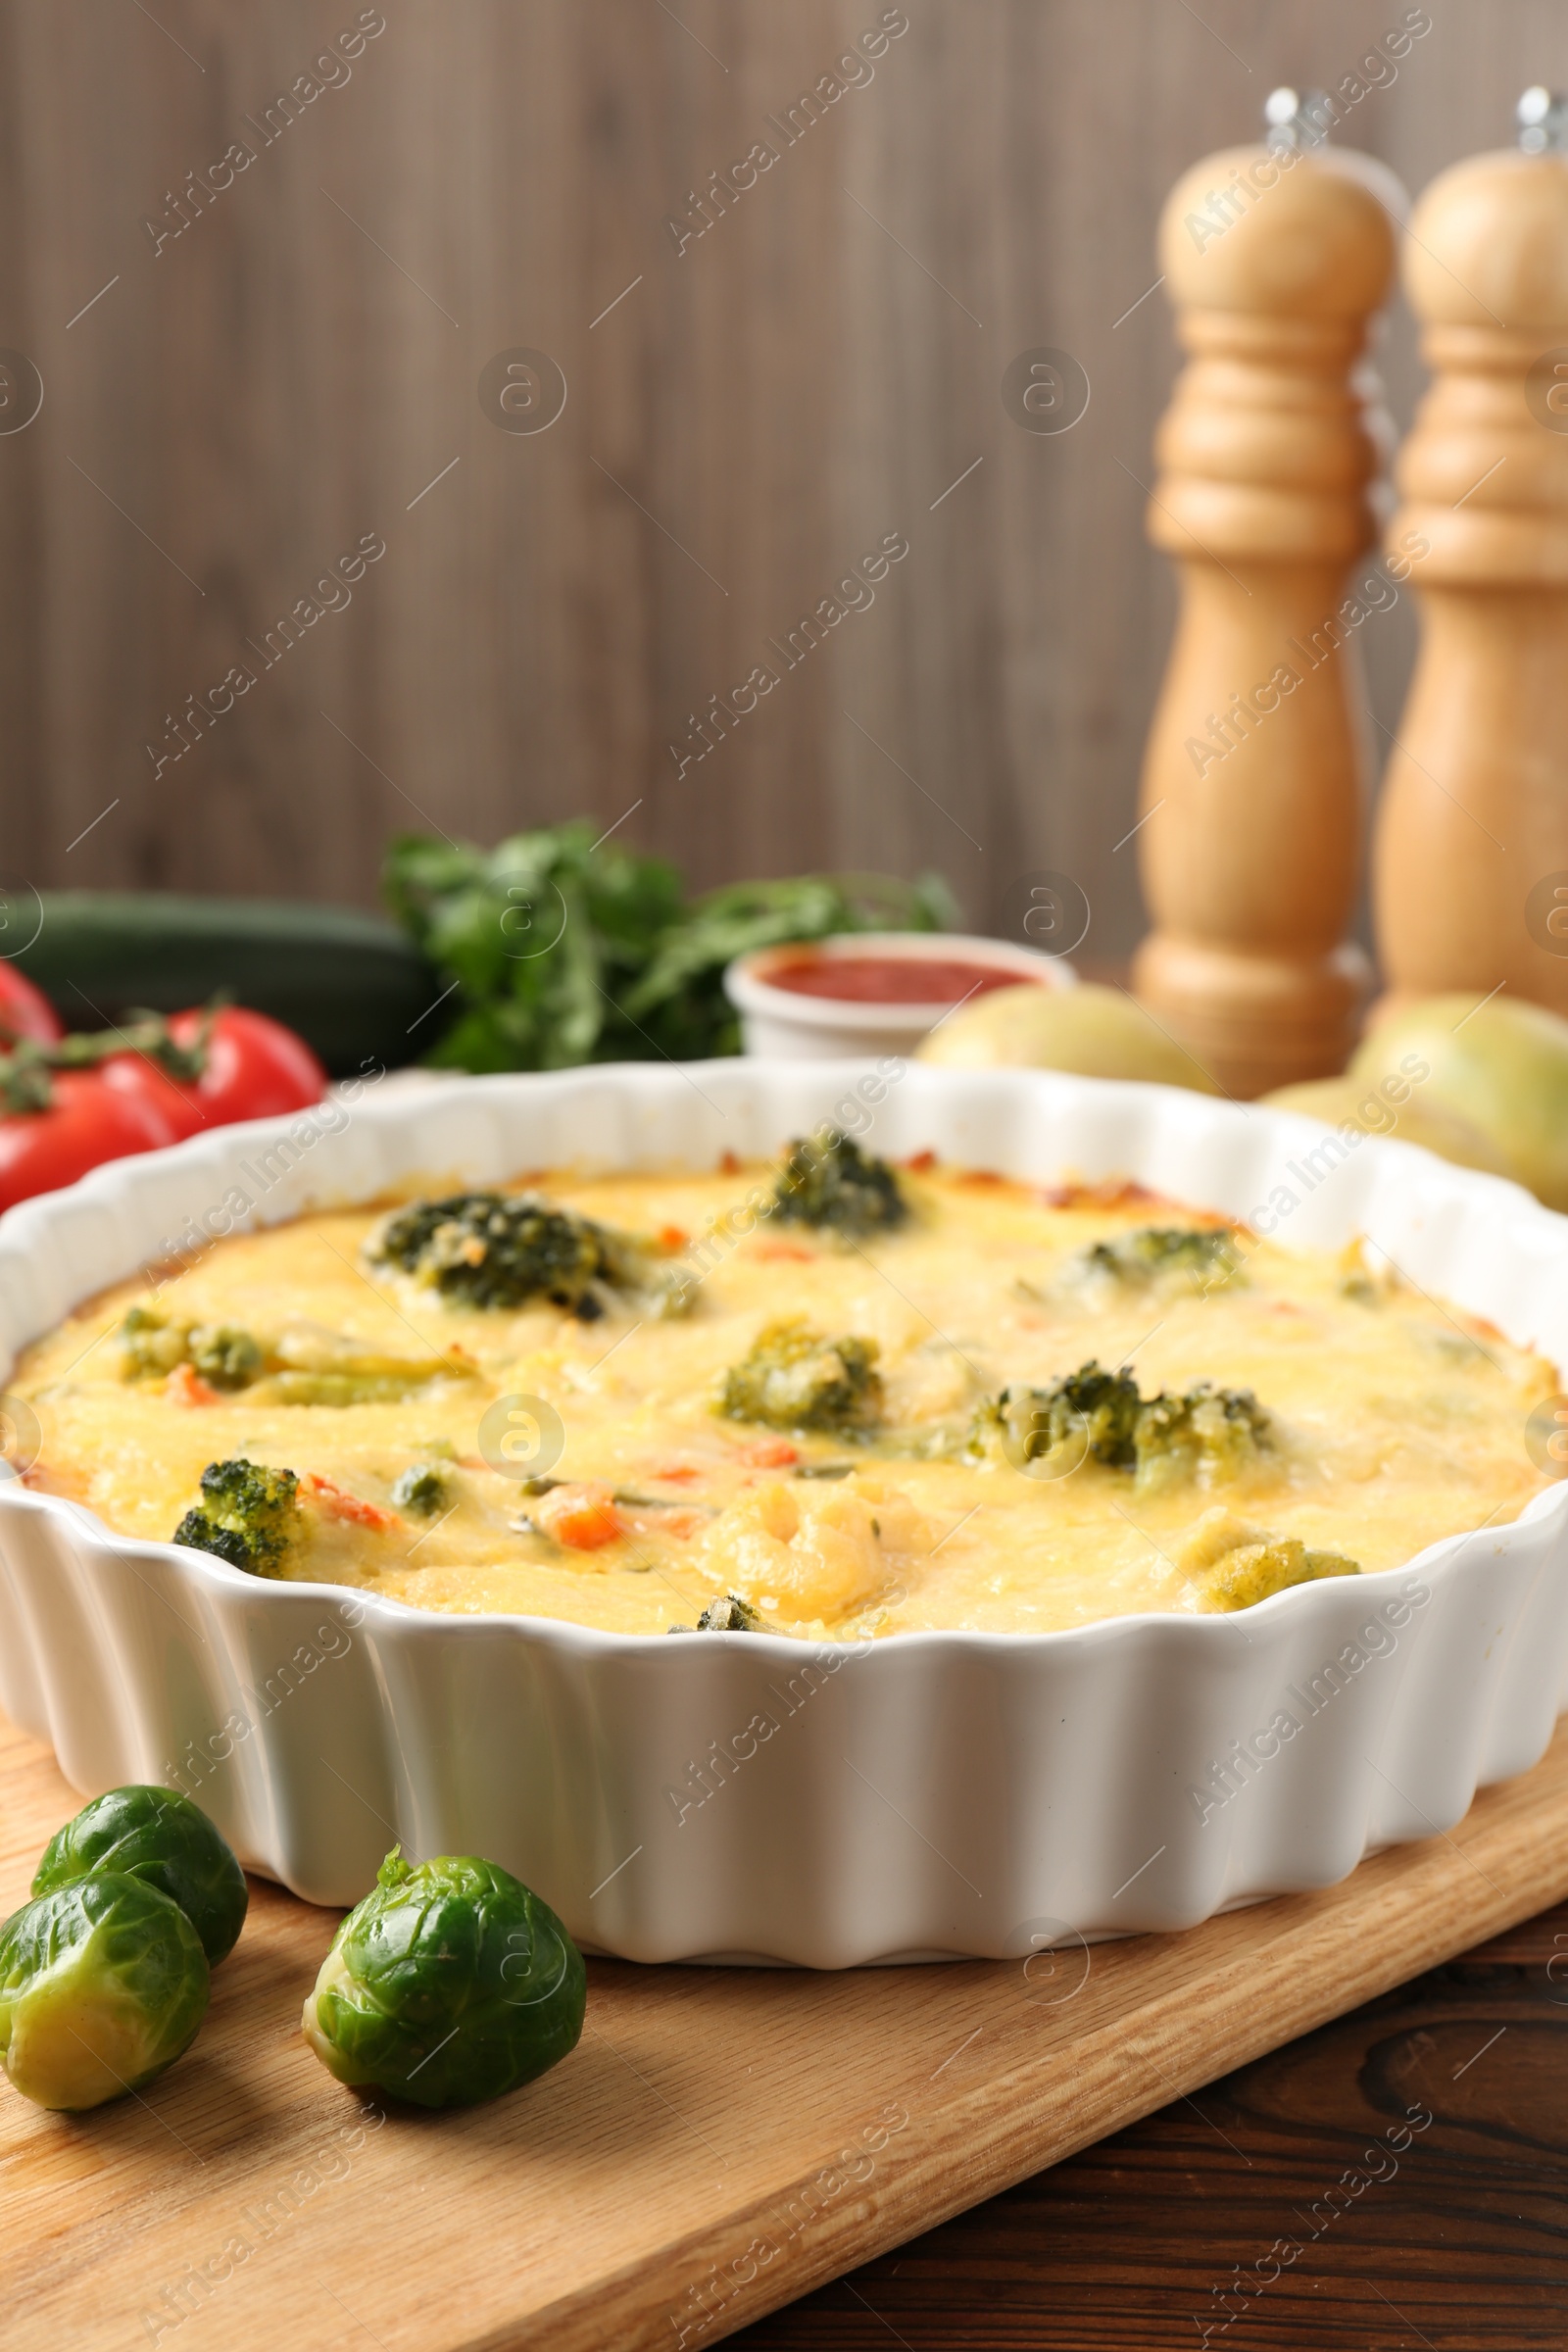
(724, 2139)
(1121, 2249)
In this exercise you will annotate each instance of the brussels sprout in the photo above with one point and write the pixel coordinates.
(449, 1983)
(160, 1838)
(103, 1983)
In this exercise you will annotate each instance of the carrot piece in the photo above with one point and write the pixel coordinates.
(674, 1237)
(583, 1520)
(771, 1453)
(186, 1386)
(336, 1502)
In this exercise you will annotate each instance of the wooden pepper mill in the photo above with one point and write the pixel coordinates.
(1471, 857)
(1277, 257)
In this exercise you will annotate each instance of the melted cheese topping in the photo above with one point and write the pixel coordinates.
(1395, 1420)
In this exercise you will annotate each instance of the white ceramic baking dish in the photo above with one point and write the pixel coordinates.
(742, 1796)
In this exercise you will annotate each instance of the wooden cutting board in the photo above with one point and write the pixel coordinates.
(721, 2140)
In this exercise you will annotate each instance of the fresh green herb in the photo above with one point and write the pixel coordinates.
(249, 1516)
(795, 1378)
(449, 1983)
(823, 1469)
(159, 1837)
(827, 1180)
(561, 947)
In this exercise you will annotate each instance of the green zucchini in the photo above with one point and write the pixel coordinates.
(354, 988)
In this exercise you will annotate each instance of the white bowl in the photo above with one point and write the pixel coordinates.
(930, 1794)
(781, 1023)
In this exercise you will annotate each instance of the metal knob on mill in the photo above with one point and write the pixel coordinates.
(1277, 258)
(1470, 861)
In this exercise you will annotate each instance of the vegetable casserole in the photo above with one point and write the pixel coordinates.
(826, 1396)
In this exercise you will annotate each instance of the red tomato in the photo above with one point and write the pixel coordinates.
(255, 1066)
(24, 1011)
(94, 1117)
(175, 1103)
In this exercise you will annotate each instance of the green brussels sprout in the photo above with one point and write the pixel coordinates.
(449, 1983)
(103, 1983)
(160, 1838)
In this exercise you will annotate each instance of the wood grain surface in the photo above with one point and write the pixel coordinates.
(1134, 2246)
(821, 368)
(720, 2142)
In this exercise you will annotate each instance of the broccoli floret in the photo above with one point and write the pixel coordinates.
(1208, 1434)
(225, 1356)
(149, 1344)
(827, 1180)
(731, 1615)
(1203, 1257)
(500, 1250)
(1046, 1431)
(421, 1489)
(1250, 1573)
(795, 1378)
(249, 1515)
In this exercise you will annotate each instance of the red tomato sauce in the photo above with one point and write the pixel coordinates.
(890, 979)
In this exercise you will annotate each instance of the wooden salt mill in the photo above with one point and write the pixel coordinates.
(1277, 257)
(1471, 858)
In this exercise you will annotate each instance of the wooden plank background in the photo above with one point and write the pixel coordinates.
(241, 404)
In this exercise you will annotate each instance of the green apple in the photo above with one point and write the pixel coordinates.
(1436, 1126)
(1502, 1063)
(1100, 1032)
